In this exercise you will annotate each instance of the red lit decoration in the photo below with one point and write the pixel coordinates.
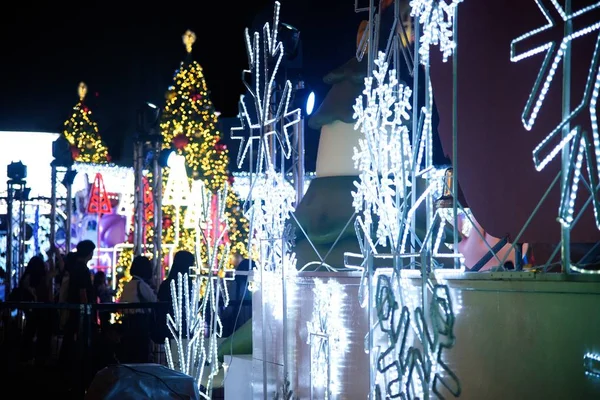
(148, 206)
(220, 147)
(167, 222)
(180, 141)
(99, 203)
(215, 227)
(148, 200)
(75, 152)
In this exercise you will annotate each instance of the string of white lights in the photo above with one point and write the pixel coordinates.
(393, 375)
(196, 341)
(576, 139)
(384, 157)
(327, 336)
(265, 123)
(437, 18)
(270, 198)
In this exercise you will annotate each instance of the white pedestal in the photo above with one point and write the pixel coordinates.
(238, 381)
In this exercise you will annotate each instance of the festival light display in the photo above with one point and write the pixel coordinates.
(384, 157)
(437, 19)
(409, 362)
(272, 204)
(268, 212)
(186, 312)
(189, 127)
(269, 215)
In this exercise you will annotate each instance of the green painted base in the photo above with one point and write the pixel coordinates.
(240, 342)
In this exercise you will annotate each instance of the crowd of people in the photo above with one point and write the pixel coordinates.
(67, 279)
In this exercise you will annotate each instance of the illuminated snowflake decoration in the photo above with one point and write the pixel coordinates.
(186, 307)
(270, 199)
(327, 336)
(272, 205)
(270, 281)
(268, 115)
(437, 18)
(404, 370)
(583, 147)
(384, 156)
(386, 160)
(197, 345)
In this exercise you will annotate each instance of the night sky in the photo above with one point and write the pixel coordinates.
(127, 55)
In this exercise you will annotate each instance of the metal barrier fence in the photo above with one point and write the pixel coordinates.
(96, 346)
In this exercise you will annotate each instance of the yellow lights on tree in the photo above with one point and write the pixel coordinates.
(189, 126)
(82, 133)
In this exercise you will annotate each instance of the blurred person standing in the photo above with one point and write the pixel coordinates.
(138, 322)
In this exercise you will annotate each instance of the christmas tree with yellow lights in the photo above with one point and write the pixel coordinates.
(189, 127)
(82, 133)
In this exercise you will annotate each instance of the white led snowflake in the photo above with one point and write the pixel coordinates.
(384, 155)
(437, 18)
(270, 281)
(270, 199)
(387, 161)
(327, 335)
(272, 205)
(271, 208)
(186, 326)
(267, 115)
(578, 140)
(197, 344)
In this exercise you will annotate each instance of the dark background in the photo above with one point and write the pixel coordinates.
(127, 54)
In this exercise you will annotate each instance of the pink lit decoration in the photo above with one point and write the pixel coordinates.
(148, 206)
(99, 204)
(215, 226)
